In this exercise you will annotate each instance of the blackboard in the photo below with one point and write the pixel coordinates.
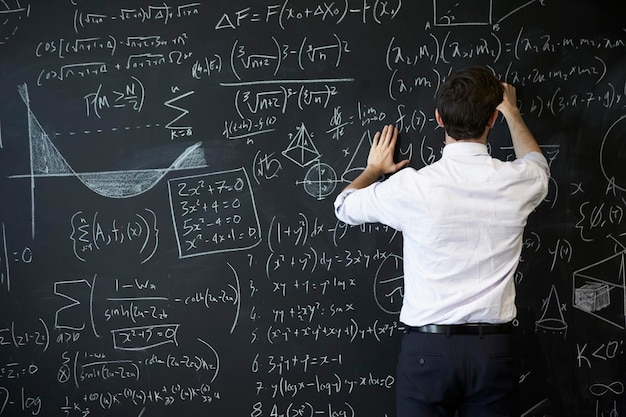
(168, 244)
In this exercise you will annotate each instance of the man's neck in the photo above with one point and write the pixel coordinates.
(482, 139)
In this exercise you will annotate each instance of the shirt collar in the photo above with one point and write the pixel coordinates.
(465, 149)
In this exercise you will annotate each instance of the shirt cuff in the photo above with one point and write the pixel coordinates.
(341, 197)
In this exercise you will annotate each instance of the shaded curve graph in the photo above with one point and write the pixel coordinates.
(47, 161)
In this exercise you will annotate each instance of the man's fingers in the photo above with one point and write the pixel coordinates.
(389, 132)
(376, 137)
(386, 137)
(383, 135)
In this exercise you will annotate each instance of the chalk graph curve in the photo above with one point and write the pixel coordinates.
(612, 145)
(46, 160)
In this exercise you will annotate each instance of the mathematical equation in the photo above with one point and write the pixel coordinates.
(219, 280)
(214, 213)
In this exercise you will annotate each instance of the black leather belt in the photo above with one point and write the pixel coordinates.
(469, 328)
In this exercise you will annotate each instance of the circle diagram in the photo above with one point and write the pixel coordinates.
(320, 181)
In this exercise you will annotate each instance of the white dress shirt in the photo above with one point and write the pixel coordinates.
(462, 220)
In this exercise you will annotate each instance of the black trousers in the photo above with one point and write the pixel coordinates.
(440, 375)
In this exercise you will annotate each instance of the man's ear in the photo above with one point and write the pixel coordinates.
(493, 118)
(438, 118)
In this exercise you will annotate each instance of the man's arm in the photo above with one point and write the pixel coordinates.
(523, 140)
(380, 159)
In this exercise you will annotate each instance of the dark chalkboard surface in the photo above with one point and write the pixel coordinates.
(168, 244)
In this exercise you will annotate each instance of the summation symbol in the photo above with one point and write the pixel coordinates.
(176, 129)
(301, 149)
(72, 316)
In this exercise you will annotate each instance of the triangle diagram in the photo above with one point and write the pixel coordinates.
(301, 149)
(360, 154)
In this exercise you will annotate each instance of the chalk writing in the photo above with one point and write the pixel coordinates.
(168, 243)
(214, 213)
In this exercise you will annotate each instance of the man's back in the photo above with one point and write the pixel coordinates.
(462, 220)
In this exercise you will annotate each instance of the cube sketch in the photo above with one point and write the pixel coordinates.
(600, 289)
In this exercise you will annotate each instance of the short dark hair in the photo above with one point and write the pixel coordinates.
(466, 101)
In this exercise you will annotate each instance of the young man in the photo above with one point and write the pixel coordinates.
(462, 219)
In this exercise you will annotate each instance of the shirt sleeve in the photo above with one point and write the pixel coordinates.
(345, 211)
(539, 159)
(372, 204)
(339, 212)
